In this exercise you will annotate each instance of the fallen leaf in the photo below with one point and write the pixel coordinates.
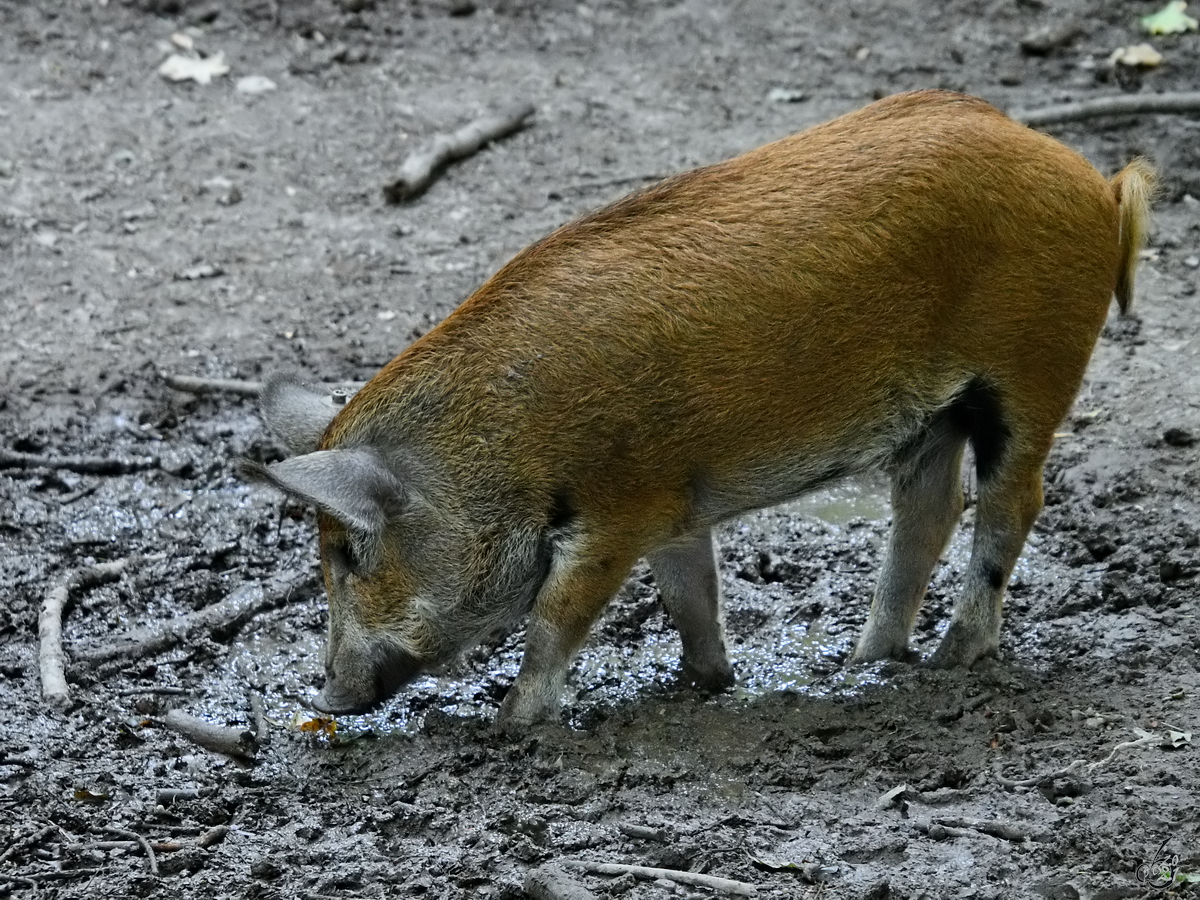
(894, 796)
(201, 71)
(1171, 19)
(1139, 55)
(775, 863)
(90, 796)
(321, 726)
(1176, 739)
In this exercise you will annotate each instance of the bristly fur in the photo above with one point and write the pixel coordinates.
(875, 291)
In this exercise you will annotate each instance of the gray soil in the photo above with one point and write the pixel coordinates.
(1066, 767)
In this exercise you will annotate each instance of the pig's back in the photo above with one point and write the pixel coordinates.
(820, 293)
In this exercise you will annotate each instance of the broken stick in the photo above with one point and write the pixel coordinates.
(1182, 102)
(695, 879)
(422, 167)
(236, 742)
(52, 660)
(190, 384)
(84, 465)
(228, 615)
(141, 841)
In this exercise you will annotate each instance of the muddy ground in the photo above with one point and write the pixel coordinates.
(148, 227)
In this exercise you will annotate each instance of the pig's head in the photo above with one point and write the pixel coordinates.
(401, 578)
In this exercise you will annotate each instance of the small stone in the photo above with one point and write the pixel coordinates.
(786, 95)
(1192, 262)
(268, 868)
(1041, 41)
(7, 166)
(204, 270)
(552, 883)
(254, 84)
(1178, 437)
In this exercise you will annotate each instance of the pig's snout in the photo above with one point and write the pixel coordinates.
(357, 683)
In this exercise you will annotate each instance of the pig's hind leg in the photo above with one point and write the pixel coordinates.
(1010, 497)
(690, 589)
(927, 502)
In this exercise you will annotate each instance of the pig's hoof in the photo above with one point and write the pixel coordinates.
(875, 651)
(520, 711)
(712, 680)
(961, 648)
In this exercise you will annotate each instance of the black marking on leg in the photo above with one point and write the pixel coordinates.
(977, 413)
(994, 575)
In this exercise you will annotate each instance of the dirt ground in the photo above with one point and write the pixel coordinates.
(150, 227)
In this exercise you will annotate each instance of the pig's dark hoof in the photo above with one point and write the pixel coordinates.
(522, 709)
(717, 680)
(960, 649)
(903, 654)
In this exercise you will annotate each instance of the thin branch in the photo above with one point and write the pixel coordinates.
(229, 615)
(1182, 102)
(214, 835)
(190, 384)
(145, 845)
(52, 660)
(1001, 830)
(1145, 740)
(84, 465)
(236, 742)
(167, 796)
(262, 725)
(157, 846)
(25, 843)
(422, 167)
(164, 691)
(695, 879)
(1034, 780)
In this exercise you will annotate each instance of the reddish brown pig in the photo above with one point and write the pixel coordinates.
(873, 292)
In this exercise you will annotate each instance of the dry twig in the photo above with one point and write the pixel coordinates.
(229, 615)
(1182, 102)
(1001, 830)
(552, 883)
(51, 658)
(84, 465)
(1145, 739)
(25, 843)
(236, 742)
(214, 835)
(422, 167)
(151, 859)
(644, 832)
(190, 384)
(262, 725)
(167, 796)
(695, 879)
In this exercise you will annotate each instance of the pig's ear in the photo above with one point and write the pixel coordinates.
(355, 486)
(296, 415)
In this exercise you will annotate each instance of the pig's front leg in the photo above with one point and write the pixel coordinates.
(582, 580)
(690, 589)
